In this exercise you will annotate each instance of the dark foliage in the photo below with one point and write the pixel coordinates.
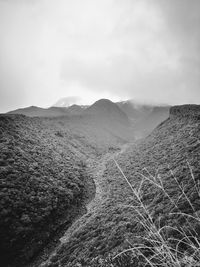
(171, 151)
(43, 182)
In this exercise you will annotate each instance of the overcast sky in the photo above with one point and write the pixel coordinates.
(147, 50)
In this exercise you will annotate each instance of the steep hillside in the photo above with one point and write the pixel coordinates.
(135, 111)
(43, 182)
(144, 117)
(44, 177)
(147, 123)
(163, 203)
(108, 116)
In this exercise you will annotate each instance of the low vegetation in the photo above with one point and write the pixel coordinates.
(151, 209)
(44, 178)
(148, 208)
(43, 183)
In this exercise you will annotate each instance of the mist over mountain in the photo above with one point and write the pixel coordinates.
(143, 118)
(134, 110)
(67, 101)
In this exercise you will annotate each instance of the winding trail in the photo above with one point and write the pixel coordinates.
(96, 168)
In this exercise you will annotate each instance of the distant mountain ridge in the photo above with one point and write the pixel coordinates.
(144, 118)
(34, 111)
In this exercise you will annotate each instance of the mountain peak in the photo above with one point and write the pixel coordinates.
(103, 106)
(106, 110)
(103, 101)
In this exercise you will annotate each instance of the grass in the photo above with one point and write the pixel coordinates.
(156, 247)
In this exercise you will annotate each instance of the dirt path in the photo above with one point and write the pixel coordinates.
(96, 168)
(97, 171)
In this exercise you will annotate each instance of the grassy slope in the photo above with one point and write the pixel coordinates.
(169, 149)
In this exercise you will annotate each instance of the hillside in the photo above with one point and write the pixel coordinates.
(134, 111)
(44, 182)
(140, 119)
(144, 117)
(48, 168)
(167, 163)
(147, 123)
(34, 111)
(44, 177)
(107, 110)
(106, 115)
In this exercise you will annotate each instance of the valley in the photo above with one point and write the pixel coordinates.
(100, 192)
(113, 225)
(84, 191)
(99, 133)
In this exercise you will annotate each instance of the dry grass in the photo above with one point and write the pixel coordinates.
(156, 247)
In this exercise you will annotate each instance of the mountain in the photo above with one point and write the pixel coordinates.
(134, 111)
(150, 210)
(103, 120)
(53, 111)
(34, 111)
(144, 117)
(107, 110)
(107, 115)
(146, 124)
